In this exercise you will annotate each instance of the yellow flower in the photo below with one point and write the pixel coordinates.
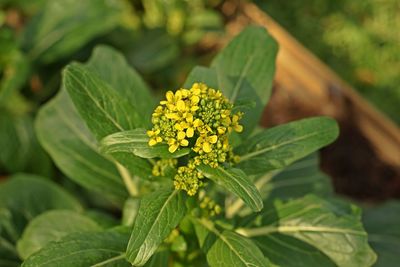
(235, 124)
(201, 116)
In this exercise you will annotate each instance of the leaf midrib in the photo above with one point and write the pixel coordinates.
(226, 241)
(164, 206)
(116, 124)
(241, 186)
(267, 230)
(273, 147)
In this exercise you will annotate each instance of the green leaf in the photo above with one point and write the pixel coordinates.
(203, 75)
(160, 258)
(300, 178)
(84, 249)
(14, 75)
(16, 135)
(280, 146)
(290, 252)
(159, 213)
(382, 224)
(337, 234)
(136, 142)
(64, 26)
(228, 249)
(103, 109)
(52, 226)
(236, 182)
(102, 218)
(112, 68)
(69, 142)
(245, 70)
(26, 196)
(153, 51)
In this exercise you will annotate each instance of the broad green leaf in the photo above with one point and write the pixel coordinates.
(84, 249)
(70, 144)
(64, 26)
(290, 252)
(15, 141)
(280, 146)
(382, 224)
(300, 178)
(21, 151)
(26, 196)
(102, 218)
(202, 75)
(236, 182)
(338, 235)
(154, 50)
(103, 109)
(136, 142)
(159, 213)
(228, 249)
(112, 67)
(159, 259)
(52, 226)
(245, 70)
(14, 75)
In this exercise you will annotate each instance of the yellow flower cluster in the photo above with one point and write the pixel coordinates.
(201, 118)
(188, 178)
(163, 166)
(210, 207)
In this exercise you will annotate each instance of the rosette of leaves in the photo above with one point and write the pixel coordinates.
(271, 207)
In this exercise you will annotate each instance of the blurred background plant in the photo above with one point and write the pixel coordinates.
(37, 38)
(358, 39)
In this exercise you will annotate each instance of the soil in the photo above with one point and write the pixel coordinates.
(356, 169)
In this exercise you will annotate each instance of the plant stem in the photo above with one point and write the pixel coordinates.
(238, 204)
(129, 181)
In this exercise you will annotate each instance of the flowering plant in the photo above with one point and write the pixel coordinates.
(197, 181)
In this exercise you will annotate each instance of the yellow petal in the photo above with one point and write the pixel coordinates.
(171, 141)
(184, 142)
(195, 99)
(150, 133)
(169, 96)
(213, 139)
(178, 95)
(158, 139)
(235, 118)
(152, 142)
(180, 105)
(221, 130)
(196, 90)
(181, 135)
(173, 116)
(178, 126)
(238, 128)
(173, 148)
(206, 147)
(189, 117)
(197, 123)
(190, 132)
